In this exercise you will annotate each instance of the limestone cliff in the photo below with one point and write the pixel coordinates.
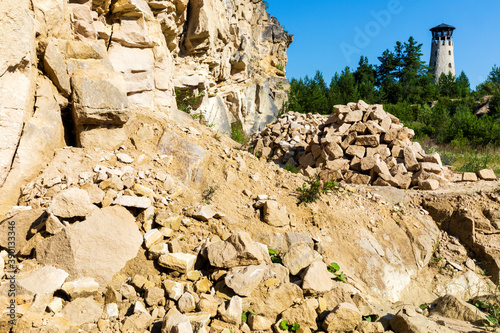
(92, 65)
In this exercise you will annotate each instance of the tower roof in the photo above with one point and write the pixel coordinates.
(443, 27)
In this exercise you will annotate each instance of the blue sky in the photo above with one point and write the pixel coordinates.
(332, 34)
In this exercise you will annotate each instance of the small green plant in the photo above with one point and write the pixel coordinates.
(266, 4)
(493, 313)
(217, 135)
(279, 85)
(311, 192)
(291, 168)
(188, 100)
(280, 67)
(237, 133)
(287, 327)
(275, 256)
(435, 258)
(245, 315)
(208, 194)
(334, 268)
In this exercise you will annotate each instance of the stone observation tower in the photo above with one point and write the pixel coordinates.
(442, 55)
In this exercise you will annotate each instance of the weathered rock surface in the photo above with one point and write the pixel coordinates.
(97, 247)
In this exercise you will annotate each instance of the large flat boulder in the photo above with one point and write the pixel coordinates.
(97, 248)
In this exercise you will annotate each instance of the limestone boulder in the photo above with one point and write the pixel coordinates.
(45, 280)
(408, 320)
(277, 300)
(344, 318)
(174, 321)
(317, 279)
(81, 311)
(452, 307)
(275, 215)
(238, 250)
(244, 280)
(97, 248)
(70, 203)
(55, 67)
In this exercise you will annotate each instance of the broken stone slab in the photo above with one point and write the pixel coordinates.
(353, 116)
(83, 287)
(23, 223)
(157, 250)
(81, 311)
(176, 322)
(180, 262)
(428, 185)
(469, 177)
(154, 295)
(452, 307)
(55, 67)
(487, 174)
(186, 303)
(97, 247)
(174, 289)
(408, 320)
(258, 322)
(99, 97)
(431, 167)
(232, 312)
(410, 158)
(45, 280)
(317, 279)
(132, 202)
(204, 213)
(238, 250)
(305, 314)
(152, 237)
(124, 158)
(274, 215)
(299, 256)
(244, 280)
(359, 179)
(70, 203)
(358, 151)
(344, 318)
(368, 140)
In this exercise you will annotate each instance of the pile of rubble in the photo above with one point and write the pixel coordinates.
(359, 143)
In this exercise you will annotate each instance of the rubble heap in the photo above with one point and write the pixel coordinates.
(359, 143)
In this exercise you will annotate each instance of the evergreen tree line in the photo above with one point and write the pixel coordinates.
(405, 85)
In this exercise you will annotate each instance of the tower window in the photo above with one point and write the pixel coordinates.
(449, 52)
(436, 52)
(449, 65)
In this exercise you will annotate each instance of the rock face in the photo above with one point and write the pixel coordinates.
(360, 143)
(17, 77)
(101, 63)
(97, 247)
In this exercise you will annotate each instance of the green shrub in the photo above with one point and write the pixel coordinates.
(280, 67)
(291, 168)
(310, 192)
(475, 163)
(238, 135)
(208, 195)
